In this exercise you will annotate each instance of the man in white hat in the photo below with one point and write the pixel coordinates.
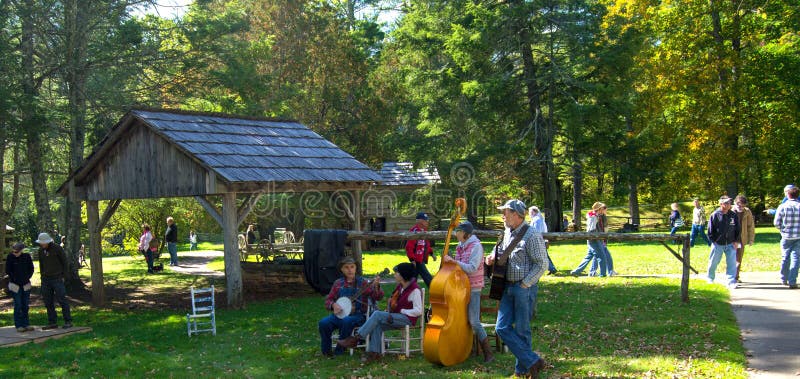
(53, 267)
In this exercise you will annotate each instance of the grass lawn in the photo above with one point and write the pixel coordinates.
(586, 327)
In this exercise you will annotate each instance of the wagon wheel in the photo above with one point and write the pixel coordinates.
(266, 251)
(288, 237)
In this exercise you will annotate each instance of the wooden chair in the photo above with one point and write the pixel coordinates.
(335, 336)
(489, 309)
(406, 339)
(202, 308)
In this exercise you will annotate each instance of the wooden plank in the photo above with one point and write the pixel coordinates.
(440, 235)
(685, 272)
(212, 209)
(356, 213)
(95, 253)
(247, 206)
(108, 213)
(678, 255)
(233, 269)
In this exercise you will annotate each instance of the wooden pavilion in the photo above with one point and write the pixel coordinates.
(160, 153)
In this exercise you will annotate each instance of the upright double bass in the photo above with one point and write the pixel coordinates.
(448, 335)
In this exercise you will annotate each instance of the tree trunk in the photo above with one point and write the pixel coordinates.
(75, 15)
(577, 194)
(5, 214)
(633, 200)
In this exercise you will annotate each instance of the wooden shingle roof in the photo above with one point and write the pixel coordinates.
(251, 150)
(403, 174)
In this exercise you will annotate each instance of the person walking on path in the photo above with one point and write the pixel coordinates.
(418, 251)
(724, 230)
(787, 220)
(171, 238)
(19, 268)
(698, 223)
(603, 228)
(53, 267)
(144, 247)
(192, 240)
(748, 235)
(526, 263)
(595, 247)
(675, 219)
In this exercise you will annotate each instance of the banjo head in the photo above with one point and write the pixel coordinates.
(347, 307)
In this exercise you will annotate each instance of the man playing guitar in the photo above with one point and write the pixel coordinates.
(359, 292)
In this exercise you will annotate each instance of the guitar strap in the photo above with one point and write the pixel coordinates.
(514, 242)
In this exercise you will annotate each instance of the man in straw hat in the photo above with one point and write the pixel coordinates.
(53, 267)
(724, 231)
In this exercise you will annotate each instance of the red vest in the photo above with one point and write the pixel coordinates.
(402, 301)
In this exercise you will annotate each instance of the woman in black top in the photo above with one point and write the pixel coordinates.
(19, 267)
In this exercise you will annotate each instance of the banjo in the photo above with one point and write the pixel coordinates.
(346, 302)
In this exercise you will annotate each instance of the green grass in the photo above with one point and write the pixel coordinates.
(613, 328)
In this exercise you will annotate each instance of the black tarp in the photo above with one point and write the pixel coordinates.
(322, 250)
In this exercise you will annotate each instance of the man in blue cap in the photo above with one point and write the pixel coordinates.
(526, 262)
(418, 251)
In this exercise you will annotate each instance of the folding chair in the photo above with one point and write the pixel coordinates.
(202, 308)
(406, 339)
(489, 306)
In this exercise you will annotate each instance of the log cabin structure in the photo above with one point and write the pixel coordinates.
(160, 154)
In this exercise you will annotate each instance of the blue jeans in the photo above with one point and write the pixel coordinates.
(790, 262)
(345, 326)
(172, 247)
(717, 251)
(534, 295)
(674, 229)
(22, 300)
(514, 327)
(698, 230)
(148, 256)
(474, 313)
(595, 251)
(53, 290)
(607, 258)
(550, 266)
(377, 323)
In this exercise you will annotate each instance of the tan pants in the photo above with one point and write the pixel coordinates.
(739, 255)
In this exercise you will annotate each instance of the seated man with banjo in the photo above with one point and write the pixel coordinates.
(348, 301)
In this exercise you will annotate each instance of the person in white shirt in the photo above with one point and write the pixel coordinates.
(405, 308)
(540, 226)
(698, 223)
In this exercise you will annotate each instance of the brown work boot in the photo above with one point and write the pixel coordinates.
(349, 342)
(487, 351)
(371, 357)
(536, 369)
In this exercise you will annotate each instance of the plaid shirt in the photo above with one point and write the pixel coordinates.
(360, 305)
(528, 260)
(787, 219)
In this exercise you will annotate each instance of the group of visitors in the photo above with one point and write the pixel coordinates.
(52, 269)
(521, 247)
(149, 245)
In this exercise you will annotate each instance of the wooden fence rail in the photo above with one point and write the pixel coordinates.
(684, 257)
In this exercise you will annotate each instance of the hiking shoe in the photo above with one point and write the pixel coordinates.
(29, 329)
(793, 286)
(612, 273)
(21, 330)
(785, 282)
(51, 326)
(573, 273)
(67, 325)
(732, 286)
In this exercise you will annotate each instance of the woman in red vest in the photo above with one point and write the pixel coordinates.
(405, 307)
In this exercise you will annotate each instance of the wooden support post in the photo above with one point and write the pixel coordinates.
(212, 210)
(233, 267)
(357, 225)
(95, 253)
(686, 267)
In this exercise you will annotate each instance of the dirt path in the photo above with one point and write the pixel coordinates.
(196, 263)
(768, 314)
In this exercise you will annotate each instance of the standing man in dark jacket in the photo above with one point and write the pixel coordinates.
(724, 231)
(418, 251)
(171, 238)
(52, 267)
(19, 267)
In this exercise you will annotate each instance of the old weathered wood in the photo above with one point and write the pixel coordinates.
(247, 206)
(233, 270)
(212, 209)
(685, 272)
(95, 253)
(108, 213)
(267, 277)
(356, 244)
(674, 253)
(440, 235)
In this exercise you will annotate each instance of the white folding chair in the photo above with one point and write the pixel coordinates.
(403, 343)
(202, 308)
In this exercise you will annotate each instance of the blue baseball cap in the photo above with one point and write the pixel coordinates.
(465, 227)
(514, 205)
(422, 216)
